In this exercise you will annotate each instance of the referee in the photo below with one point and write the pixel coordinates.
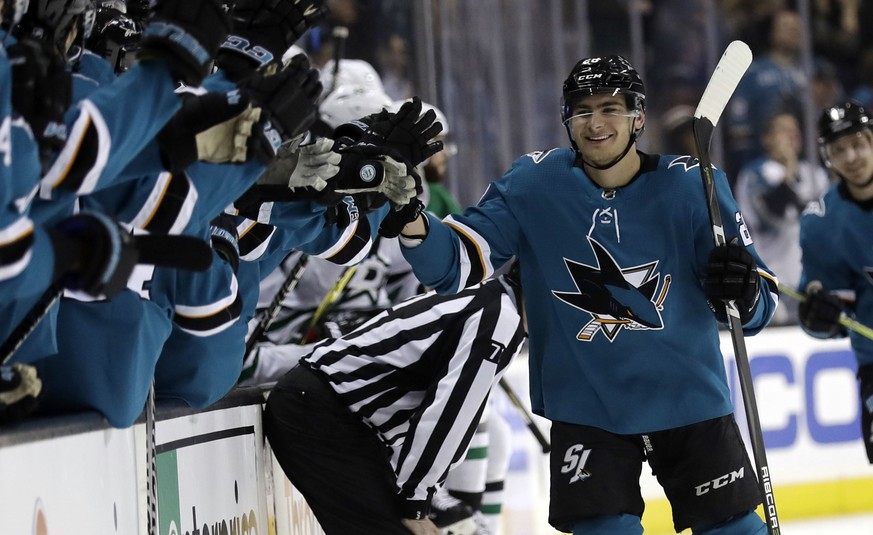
(368, 425)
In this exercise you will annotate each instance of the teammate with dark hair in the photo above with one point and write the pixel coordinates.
(623, 293)
(835, 238)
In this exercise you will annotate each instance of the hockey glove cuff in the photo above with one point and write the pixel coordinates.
(224, 238)
(92, 254)
(185, 36)
(400, 216)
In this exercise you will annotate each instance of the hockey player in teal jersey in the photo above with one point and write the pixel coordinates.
(624, 292)
(835, 237)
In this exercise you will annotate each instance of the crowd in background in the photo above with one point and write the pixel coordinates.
(808, 55)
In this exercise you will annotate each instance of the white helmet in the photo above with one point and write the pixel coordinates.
(354, 72)
(349, 102)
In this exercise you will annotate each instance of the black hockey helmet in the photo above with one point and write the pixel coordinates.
(842, 119)
(115, 38)
(604, 74)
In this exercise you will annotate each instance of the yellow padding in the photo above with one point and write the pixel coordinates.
(793, 502)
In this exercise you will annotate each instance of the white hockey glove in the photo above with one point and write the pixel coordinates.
(19, 390)
(309, 167)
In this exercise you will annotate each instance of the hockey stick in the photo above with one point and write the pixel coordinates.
(525, 415)
(151, 463)
(180, 252)
(328, 303)
(845, 320)
(287, 287)
(730, 69)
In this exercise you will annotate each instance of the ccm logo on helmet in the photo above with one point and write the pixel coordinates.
(583, 77)
(719, 482)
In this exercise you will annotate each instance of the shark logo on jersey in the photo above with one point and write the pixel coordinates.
(615, 297)
(688, 162)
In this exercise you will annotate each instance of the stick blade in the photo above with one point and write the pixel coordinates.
(730, 69)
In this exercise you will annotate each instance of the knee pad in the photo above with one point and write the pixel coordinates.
(609, 525)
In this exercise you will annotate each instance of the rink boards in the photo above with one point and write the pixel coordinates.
(216, 475)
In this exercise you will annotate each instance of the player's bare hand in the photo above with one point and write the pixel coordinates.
(420, 527)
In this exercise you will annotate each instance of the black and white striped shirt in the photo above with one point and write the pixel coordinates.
(419, 375)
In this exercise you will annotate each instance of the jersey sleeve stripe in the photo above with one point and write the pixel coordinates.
(81, 162)
(254, 239)
(475, 266)
(206, 320)
(355, 247)
(169, 206)
(16, 243)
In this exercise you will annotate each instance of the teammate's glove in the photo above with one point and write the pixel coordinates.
(92, 254)
(224, 238)
(207, 127)
(369, 169)
(311, 166)
(731, 274)
(184, 35)
(820, 311)
(400, 216)
(407, 132)
(288, 99)
(19, 390)
(263, 30)
(41, 93)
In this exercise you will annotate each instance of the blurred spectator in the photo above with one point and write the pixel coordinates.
(863, 92)
(835, 29)
(772, 192)
(827, 86)
(749, 20)
(394, 65)
(440, 201)
(774, 83)
(678, 134)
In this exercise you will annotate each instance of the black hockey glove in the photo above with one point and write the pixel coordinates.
(225, 239)
(407, 132)
(263, 30)
(288, 99)
(185, 36)
(178, 139)
(19, 390)
(366, 168)
(92, 254)
(41, 93)
(731, 274)
(400, 216)
(865, 376)
(820, 311)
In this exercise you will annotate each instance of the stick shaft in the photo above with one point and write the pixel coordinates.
(724, 81)
(525, 415)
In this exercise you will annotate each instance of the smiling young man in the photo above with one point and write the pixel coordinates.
(624, 291)
(835, 240)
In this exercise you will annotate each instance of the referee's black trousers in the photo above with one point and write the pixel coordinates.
(334, 460)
